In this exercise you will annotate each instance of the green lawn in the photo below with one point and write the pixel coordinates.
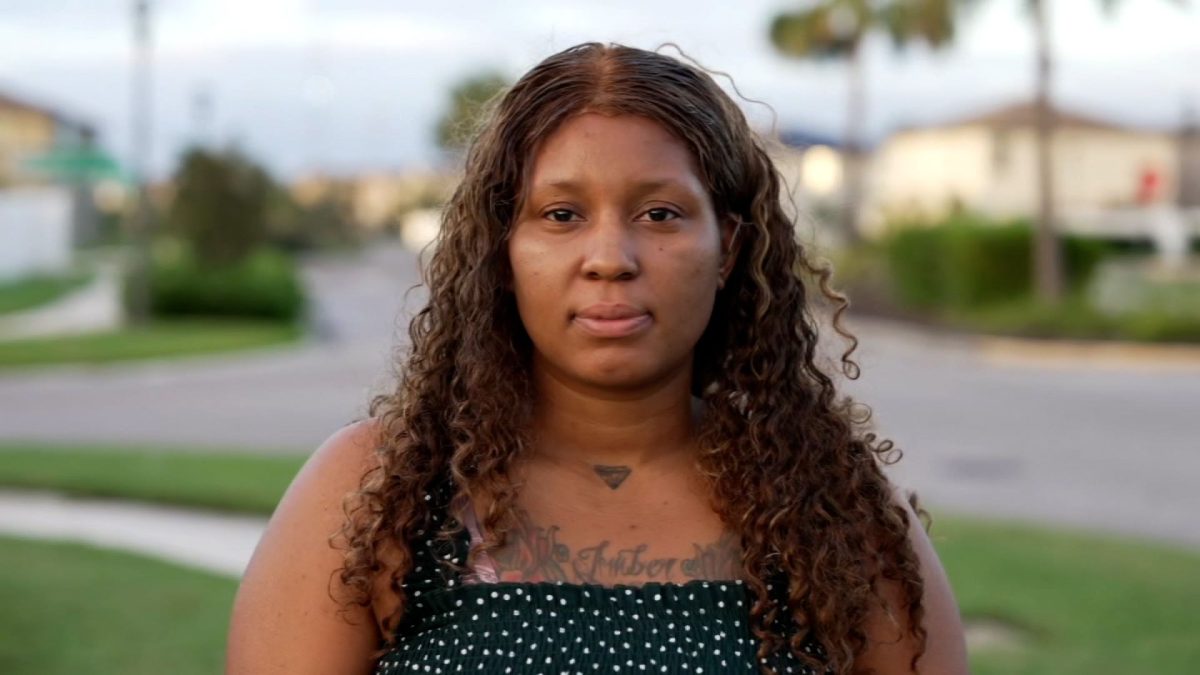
(1074, 318)
(70, 608)
(1092, 605)
(232, 481)
(1089, 605)
(29, 292)
(157, 340)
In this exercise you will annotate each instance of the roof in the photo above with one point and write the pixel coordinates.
(806, 138)
(11, 101)
(803, 138)
(1024, 114)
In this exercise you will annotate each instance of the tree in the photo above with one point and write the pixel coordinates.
(1047, 250)
(836, 29)
(220, 205)
(325, 221)
(467, 101)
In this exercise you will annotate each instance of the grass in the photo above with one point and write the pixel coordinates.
(159, 339)
(1074, 318)
(1089, 605)
(30, 292)
(230, 481)
(71, 608)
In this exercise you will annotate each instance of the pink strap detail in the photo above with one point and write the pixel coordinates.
(485, 568)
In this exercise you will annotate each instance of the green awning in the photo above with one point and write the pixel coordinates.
(76, 164)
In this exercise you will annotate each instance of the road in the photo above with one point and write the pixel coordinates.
(275, 399)
(1106, 449)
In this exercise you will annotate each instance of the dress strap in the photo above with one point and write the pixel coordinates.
(484, 570)
(438, 562)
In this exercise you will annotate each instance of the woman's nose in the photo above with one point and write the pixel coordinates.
(611, 252)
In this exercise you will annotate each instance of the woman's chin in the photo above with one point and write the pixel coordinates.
(622, 375)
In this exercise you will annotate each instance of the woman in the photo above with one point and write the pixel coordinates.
(610, 449)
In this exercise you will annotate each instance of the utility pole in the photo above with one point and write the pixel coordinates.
(140, 133)
(1047, 247)
(202, 117)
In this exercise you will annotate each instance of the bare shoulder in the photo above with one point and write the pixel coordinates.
(890, 649)
(339, 462)
(286, 617)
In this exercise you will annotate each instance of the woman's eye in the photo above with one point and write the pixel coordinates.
(661, 215)
(560, 215)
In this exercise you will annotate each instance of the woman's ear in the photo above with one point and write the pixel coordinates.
(731, 243)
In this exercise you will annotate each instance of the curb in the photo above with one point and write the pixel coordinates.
(1088, 353)
(1052, 353)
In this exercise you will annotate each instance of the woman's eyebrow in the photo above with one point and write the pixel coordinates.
(639, 188)
(565, 185)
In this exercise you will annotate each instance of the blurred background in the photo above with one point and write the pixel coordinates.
(212, 218)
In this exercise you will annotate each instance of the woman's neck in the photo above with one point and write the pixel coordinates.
(614, 431)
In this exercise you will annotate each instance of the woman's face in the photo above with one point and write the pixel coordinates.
(615, 254)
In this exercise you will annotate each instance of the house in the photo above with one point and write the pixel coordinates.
(42, 217)
(810, 163)
(29, 130)
(376, 200)
(812, 167)
(988, 163)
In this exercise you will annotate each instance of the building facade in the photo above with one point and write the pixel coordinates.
(988, 163)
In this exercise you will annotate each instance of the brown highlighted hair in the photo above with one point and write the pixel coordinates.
(791, 468)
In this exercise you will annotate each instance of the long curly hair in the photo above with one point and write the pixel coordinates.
(791, 469)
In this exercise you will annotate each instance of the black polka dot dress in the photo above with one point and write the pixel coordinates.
(556, 627)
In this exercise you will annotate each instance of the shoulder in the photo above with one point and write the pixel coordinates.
(890, 648)
(285, 616)
(339, 463)
(335, 469)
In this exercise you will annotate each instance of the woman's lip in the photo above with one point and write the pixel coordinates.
(613, 328)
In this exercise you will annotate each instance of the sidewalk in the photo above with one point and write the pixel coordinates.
(95, 307)
(220, 543)
(211, 541)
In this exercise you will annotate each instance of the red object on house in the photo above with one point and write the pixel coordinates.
(1150, 186)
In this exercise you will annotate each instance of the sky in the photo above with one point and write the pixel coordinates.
(346, 86)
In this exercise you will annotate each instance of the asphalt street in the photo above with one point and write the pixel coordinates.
(1109, 449)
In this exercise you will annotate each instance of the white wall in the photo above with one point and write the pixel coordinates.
(996, 171)
(923, 170)
(35, 230)
(1093, 169)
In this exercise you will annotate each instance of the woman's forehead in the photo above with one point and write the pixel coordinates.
(591, 151)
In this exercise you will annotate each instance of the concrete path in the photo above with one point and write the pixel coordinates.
(214, 542)
(94, 307)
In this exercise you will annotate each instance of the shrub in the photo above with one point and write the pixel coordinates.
(265, 285)
(967, 261)
(325, 224)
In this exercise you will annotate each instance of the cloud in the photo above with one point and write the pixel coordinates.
(360, 82)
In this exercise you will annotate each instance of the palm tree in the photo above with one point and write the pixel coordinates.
(836, 29)
(1048, 272)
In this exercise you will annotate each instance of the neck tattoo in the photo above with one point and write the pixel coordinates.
(612, 476)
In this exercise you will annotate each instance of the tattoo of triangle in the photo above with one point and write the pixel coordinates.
(613, 476)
